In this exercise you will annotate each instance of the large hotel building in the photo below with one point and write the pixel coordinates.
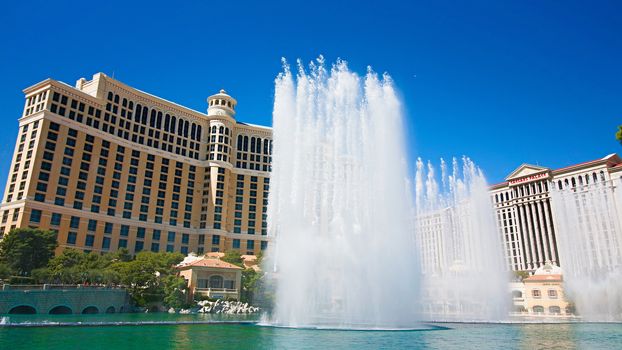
(529, 216)
(108, 166)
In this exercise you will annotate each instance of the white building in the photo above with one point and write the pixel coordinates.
(526, 213)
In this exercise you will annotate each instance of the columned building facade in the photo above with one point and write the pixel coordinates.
(108, 166)
(526, 212)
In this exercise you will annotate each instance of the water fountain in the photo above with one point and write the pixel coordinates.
(345, 254)
(587, 215)
(464, 276)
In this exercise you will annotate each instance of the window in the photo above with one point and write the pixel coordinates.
(538, 309)
(554, 310)
(216, 240)
(75, 222)
(108, 228)
(552, 294)
(90, 239)
(35, 216)
(138, 246)
(71, 237)
(236, 244)
(123, 243)
(55, 219)
(536, 294)
(155, 247)
(106, 243)
(125, 230)
(250, 244)
(171, 236)
(92, 225)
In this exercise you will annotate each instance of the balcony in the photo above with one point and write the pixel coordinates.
(218, 293)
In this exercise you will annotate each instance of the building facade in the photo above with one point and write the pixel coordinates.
(526, 212)
(108, 166)
(210, 277)
(541, 294)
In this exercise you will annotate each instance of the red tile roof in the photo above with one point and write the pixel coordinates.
(211, 262)
(540, 278)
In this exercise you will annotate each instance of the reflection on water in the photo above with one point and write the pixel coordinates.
(240, 336)
(548, 336)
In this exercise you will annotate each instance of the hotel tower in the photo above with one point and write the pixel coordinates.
(529, 216)
(108, 166)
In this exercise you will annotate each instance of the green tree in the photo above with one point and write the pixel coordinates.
(175, 291)
(250, 278)
(143, 276)
(619, 134)
(26, 249)
(520, 275)
(233, 257)
(5, 270)
(74, 266)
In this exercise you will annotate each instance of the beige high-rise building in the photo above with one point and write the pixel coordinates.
(108, 166)
(528, 217)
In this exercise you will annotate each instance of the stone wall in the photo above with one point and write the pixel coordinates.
(76, 300)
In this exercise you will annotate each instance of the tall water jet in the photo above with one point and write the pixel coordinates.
(339, 211)
(464, 276)
(588, 215)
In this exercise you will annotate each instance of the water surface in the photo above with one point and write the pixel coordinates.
(249, 336)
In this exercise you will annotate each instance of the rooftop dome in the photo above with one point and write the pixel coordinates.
(221, 104)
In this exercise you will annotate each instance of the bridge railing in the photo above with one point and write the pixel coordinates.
(55, 287)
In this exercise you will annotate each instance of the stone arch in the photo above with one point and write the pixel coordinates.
(216, 281)
(89, 310)
(110, 310)
(23, 310)
(60, 310)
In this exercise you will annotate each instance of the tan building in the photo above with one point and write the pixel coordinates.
(526, 214)
(541, 294)
(211, 277)
(108, 166)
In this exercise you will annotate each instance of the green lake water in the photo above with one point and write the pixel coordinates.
(251, 336)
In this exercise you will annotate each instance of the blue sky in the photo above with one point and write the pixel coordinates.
(504, 82)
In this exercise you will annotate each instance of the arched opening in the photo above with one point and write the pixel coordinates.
(555, 310)
(152, 120)
(23, 310)
(60, 310)
(145, 114)
(167, 122)
(138, 113)
(90, 310)
(110, 310)
(517, 294)
(180, 127)
(215, 282)
(538, 309)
